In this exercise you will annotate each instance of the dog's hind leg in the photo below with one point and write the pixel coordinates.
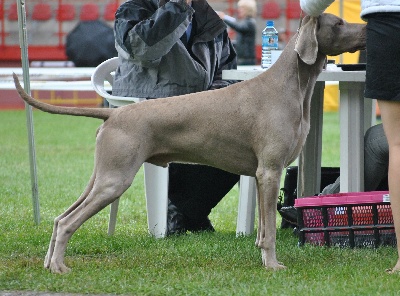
(63, 215)
(105, 191)
(116, 164)
(268, 188)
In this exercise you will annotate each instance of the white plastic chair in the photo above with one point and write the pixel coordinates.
(156, 178)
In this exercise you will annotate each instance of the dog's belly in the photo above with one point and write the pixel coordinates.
(237, 162)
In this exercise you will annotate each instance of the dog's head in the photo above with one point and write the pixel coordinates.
(329, 35)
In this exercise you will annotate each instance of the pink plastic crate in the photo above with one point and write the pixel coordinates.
(354, 219)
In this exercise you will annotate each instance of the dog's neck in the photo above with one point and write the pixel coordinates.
(308, 74)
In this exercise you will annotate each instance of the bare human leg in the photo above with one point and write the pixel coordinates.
(390, 112)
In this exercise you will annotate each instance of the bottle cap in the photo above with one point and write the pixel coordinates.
(270, 23)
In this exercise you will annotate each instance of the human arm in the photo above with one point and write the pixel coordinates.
(243, 26)
(224, 16)
(146, 32)
(315, 7)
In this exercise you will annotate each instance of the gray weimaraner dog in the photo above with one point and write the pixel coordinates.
(255, 127)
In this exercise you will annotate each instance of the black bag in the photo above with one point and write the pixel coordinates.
(289, 190)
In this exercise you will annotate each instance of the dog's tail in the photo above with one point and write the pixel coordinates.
(101, 113)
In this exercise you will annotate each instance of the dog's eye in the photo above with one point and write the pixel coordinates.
(340, 23)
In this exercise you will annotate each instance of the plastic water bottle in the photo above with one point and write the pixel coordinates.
(269, 42)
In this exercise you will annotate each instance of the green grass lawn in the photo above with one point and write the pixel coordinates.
(132, 262)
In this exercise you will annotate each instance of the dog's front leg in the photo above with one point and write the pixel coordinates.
(268, 186)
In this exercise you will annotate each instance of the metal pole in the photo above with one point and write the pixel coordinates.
(3, 37)
(60, 33)
(23, 43)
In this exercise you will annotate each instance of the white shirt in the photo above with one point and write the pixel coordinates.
(316, 7)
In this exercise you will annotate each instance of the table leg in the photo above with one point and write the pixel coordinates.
(351, 136)
(309, 176)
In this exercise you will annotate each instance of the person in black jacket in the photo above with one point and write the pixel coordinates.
(245, 27)
(169, 48)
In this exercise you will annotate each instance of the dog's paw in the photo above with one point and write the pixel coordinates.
(275, 267)
(270, 262)
(59, 268)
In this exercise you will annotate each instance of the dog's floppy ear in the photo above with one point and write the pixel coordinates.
(306, 43)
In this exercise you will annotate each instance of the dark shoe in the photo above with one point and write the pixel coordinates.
(289, 214)
(203, 224)
(178, 223)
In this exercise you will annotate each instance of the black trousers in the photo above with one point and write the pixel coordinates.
(197, 189)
